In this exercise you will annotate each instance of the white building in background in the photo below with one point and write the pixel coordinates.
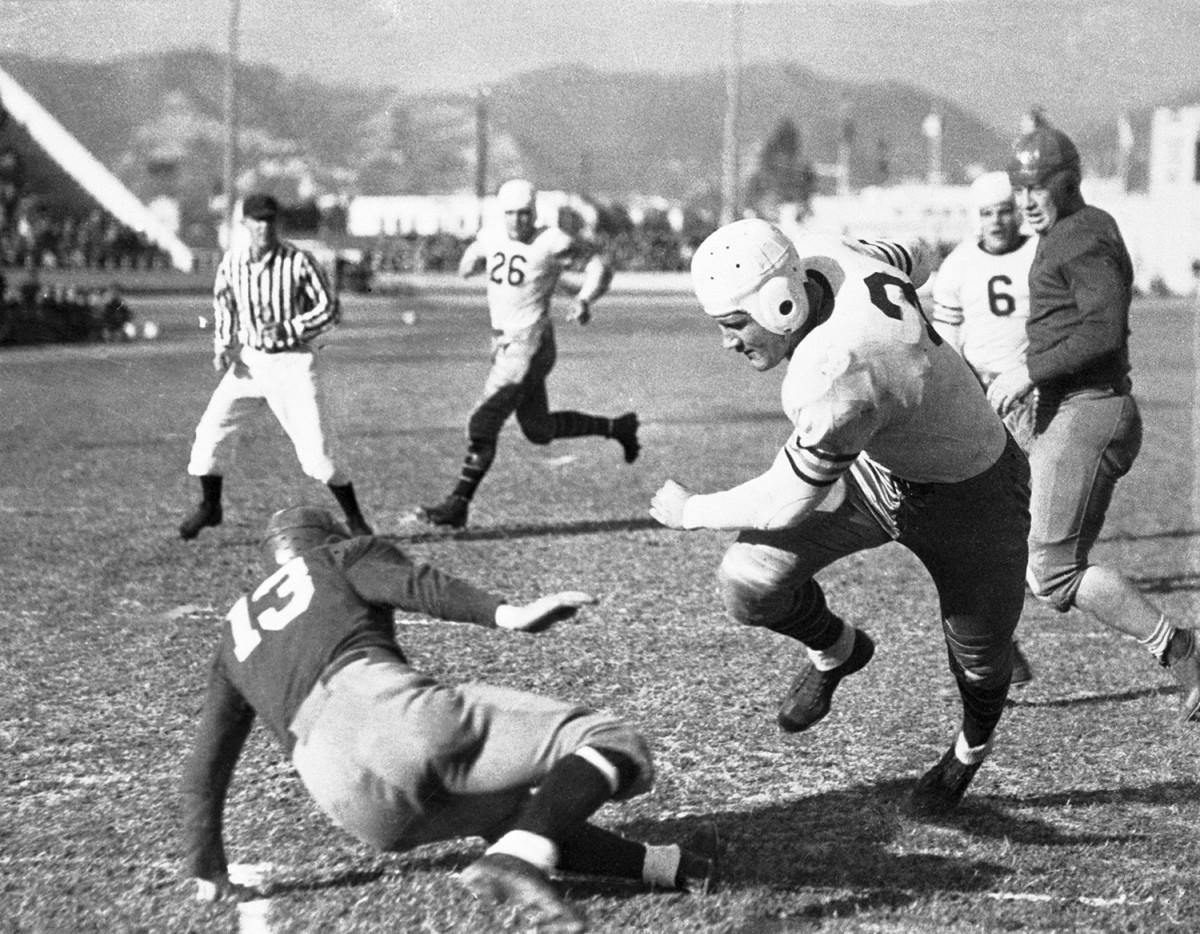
(461, 215)
(1161, 227)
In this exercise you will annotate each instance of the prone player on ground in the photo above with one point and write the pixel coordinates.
(523, 263)
(398, 759)
(893, 440)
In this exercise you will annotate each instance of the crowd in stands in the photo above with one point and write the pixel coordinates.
(36, 314)
(34, 237)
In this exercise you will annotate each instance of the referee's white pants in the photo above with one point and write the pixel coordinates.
(289, 383)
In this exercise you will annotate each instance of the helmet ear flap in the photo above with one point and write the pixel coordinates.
(782, 308)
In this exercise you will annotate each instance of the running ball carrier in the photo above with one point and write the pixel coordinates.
(523, 263)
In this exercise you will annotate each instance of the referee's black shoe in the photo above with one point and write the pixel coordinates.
(808, 699)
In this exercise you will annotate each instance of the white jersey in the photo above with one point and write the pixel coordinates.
(985, 296)
(521, 276)
(875, 377)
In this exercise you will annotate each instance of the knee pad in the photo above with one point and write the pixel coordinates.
(750, 589)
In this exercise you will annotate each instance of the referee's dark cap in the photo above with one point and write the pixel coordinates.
(260, 207)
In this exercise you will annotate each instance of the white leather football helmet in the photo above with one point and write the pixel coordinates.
(751, 266)
(517, 194)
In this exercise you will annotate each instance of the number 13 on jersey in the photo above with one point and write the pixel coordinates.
(278, 600)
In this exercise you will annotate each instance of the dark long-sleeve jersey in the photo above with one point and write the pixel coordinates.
(1080, 289)
(277, 640)
(287, 286)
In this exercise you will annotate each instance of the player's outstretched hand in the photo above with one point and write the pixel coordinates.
(542, 613)
(221, 360)
(581, 311)
(222, 889)
(667, 505)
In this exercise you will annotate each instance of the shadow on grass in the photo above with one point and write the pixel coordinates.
(846, 839)
(530, 530)
(1094, 699)
(1168, 583)
(341, 880)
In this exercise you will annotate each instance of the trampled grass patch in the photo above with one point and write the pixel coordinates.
(1084, 819)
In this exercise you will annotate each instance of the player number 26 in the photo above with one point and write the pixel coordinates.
(504, 268)
(278, 600)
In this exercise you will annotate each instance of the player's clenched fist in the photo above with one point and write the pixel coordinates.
(667, 504)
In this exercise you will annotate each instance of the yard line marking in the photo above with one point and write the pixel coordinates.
(1090, 900)
(254, 915)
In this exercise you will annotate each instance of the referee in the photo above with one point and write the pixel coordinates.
(271, 300)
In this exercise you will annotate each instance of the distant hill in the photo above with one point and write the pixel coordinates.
(158, 123)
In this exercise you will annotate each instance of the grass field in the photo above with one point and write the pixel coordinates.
(1085, 819)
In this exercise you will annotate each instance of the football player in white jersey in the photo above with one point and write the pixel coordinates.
(981, 293)
(523, 263)
(981, 306)
(893, 440)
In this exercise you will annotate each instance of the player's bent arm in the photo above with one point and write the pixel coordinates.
(471, 261)
(784, 496)
(597, 277)
(224, 726)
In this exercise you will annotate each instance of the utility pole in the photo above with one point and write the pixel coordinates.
(481, 148)
(729, 148)
(231, 119)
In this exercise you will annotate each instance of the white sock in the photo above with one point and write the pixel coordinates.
(836, 654)
(1159, 641)
(531, 847)
(661, 865)
(971, 755)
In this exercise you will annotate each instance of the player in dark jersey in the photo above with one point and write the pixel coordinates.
(1088, 429)
(398, 759)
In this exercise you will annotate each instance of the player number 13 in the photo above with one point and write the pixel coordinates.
(278, 600)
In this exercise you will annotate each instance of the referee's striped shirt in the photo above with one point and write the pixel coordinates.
(287, 285)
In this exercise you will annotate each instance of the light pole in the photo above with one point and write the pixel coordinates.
(231, 118)
(729, 143)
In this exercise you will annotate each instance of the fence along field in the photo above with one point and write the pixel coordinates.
(1084, 819)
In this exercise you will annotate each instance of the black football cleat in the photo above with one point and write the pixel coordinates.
(808, 699)
(498, 878)
(700, 861)
(624, 430)
(939, 791)
(203, 515)
(1022, 672)
(450, 512)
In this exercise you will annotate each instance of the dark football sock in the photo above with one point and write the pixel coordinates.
(210, 489)
(568, 424)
